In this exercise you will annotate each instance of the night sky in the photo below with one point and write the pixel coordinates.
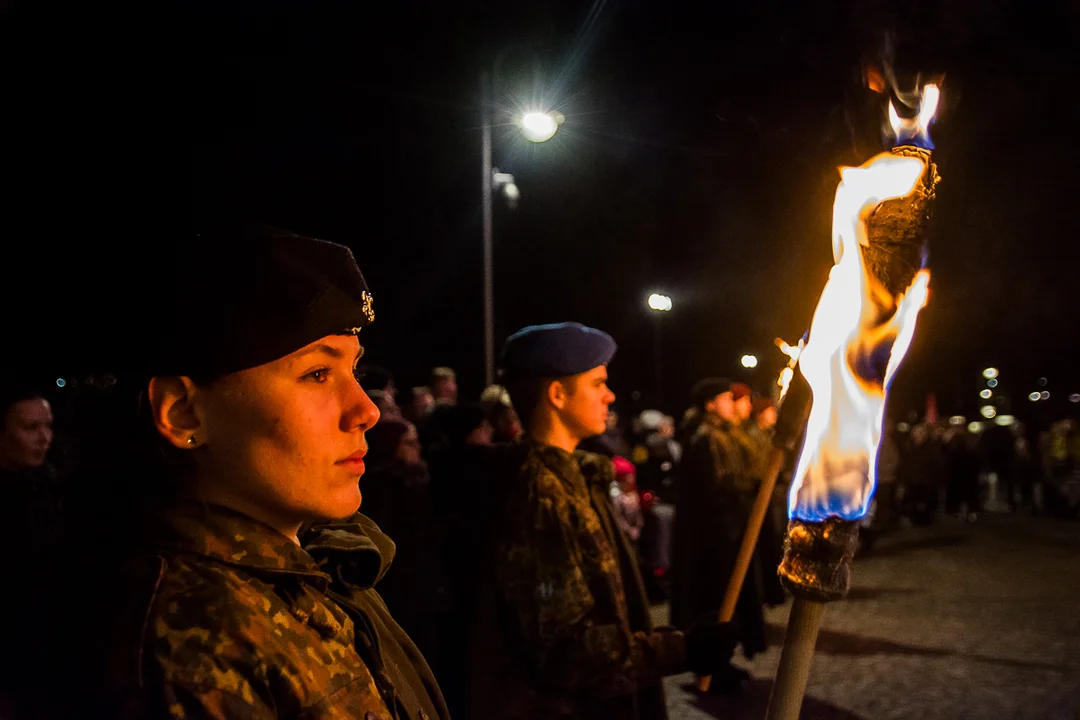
(699, 157)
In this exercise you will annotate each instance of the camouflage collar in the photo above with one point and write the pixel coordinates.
(588, 466)
(234, 538)
(716, 421)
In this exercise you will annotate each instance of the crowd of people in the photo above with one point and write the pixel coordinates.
(252, 523)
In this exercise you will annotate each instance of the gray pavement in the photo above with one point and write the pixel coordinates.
(950, 621)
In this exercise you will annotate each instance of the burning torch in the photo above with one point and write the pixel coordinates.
(861, 330)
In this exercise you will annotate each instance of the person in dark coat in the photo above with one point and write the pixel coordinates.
(247, 588)
(572, 635)
(30, 513)
(716, 493)
(397, 496)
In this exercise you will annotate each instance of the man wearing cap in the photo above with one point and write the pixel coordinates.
(576, 639)
(250, 587)
(715, 495)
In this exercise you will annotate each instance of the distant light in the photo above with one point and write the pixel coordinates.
(957, 420)
(660, 303)
(1074, 398)
(1034, 397)
(985, 394)
(975, 427)
(988, 411)
(538, 127)
(749, 361)
(60, 382)
(991, 383)
(511, 191)
(1004, 420)
(903, 427)
(1042, 382)
(1045, 395)
(990, 373)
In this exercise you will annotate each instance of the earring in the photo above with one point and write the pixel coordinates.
(191, 440)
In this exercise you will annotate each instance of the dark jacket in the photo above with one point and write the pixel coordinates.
(716, 493)
(230, 619)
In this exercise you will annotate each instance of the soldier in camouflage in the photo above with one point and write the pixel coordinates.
(717, 490)
(253, 595)
(575, 637)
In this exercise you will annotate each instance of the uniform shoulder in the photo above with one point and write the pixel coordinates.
(595, 467)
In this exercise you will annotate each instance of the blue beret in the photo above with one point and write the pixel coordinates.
(556, 350)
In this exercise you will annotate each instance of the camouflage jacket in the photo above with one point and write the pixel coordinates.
(571, 597)
(237, 621)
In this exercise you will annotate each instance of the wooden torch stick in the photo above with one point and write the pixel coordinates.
(795, 659)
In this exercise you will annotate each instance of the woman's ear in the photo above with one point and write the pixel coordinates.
(175, 412)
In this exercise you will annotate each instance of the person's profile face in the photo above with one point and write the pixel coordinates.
(723, 405)
(289, 435)
(743, 407)
(585, 411)
(26, 434)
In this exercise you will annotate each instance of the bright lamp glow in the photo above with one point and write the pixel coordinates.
(988, 411)
(985, 394)
(538, 127)
(990, 373)
(1034, 397)
(748, 361)
(660, 303)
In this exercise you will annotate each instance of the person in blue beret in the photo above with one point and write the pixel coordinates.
(575, 638)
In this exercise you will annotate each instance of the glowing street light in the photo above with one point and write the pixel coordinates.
(990, 373)
(659, 303)
(749, 361)
(985, 394)
(1034, 397)
(988, 411)
(540, 126)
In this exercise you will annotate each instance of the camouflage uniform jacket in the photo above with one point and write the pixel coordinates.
(571, 598)
(237, 621)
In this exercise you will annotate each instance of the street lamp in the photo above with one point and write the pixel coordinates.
(749, 361)
(659, 304)
(536, 127)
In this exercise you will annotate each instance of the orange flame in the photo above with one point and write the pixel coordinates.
(855, 322)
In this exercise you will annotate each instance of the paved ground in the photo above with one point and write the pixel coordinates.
(954, 621)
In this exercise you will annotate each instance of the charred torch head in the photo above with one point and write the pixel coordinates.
(817, 558)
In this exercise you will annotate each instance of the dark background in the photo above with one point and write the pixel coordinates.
(698, 158)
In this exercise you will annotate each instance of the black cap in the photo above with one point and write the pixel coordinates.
(557, 350)
(705, 390)
(247, 296)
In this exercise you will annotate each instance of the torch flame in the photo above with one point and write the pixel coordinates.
(857, 320)
(916, 130)
(788, 373)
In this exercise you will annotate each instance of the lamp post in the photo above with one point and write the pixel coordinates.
(536, 127)
(659, 304)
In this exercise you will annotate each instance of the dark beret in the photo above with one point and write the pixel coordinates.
(557, 350)
(705, 390)
(246, 296)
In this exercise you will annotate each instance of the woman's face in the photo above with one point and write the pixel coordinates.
(26, 434)
(287, 437)
(408, 449)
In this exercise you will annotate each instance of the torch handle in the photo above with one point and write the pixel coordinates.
(794, 670)
(746, 551)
